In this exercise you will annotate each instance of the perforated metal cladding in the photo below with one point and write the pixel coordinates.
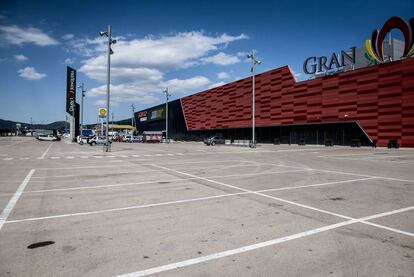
(380, 98)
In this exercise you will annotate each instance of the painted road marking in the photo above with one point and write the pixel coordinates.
(163, 203)
(122, 209)
(288, 201)
(179, 179)
(7, 159)
(345, 173)
(9, 208)
(255, 246)
(45, 153)
(98, 174)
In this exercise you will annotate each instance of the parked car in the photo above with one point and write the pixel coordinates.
(82, 139)
(98, 140)
(48, 138)
(214, 140)
(127, 138)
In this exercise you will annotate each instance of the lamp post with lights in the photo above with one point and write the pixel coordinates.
(255, 62)
(111, 41)
(167, 97)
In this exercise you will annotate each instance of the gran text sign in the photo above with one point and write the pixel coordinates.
(314, 64)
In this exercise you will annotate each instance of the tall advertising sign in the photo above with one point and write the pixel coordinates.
(70, 91)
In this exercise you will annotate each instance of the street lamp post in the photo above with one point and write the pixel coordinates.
(167, 97)
(133, 115)
(108, 81)
(253, 70)
(82, 87)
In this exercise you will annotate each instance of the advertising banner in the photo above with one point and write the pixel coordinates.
(70, 91)
(154, 114)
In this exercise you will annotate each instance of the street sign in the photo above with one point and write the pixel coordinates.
(102, 112)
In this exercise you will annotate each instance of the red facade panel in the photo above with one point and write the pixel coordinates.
(380, 98)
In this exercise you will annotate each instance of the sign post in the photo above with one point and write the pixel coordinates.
(71, 98)
(102, 114)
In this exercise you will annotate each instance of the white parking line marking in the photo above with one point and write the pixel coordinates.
(235, 251)
(7, 159)
(45, 153)
(55, 158)
(70, 157)
(81, 175)
(345, 173)
(9, 208)
(147, 155)
(162, 203)
(136, 156)
(288, 201)
(250, 191)
(134, 165)
(251, 247)
(24, 159)
(124, 208)
(193, 178)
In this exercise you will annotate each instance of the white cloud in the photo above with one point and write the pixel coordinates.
(139, 65)
(68, 36)
(13, 34)
(223, 75)
(167, 52)
(186, 85)
(221, 59)
(30, 73)
(69, 61)
(142, 93)
(217, 84)
(21, 58)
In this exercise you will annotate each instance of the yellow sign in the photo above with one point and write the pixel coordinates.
(102, 112)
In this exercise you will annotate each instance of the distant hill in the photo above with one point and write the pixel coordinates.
(11, 125)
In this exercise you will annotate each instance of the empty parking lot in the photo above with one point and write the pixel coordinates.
(185, 209)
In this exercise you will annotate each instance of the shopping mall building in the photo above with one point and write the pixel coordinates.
(364, 94)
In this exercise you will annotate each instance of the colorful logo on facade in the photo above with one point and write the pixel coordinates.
(374, 46)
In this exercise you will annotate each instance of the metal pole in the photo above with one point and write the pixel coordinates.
(112, 126)
(83, 95)
(108, 82)
(166, 116)
(253, 101)
(167, 95)
(133, 115)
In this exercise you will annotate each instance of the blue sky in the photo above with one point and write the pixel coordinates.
(188, 46)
